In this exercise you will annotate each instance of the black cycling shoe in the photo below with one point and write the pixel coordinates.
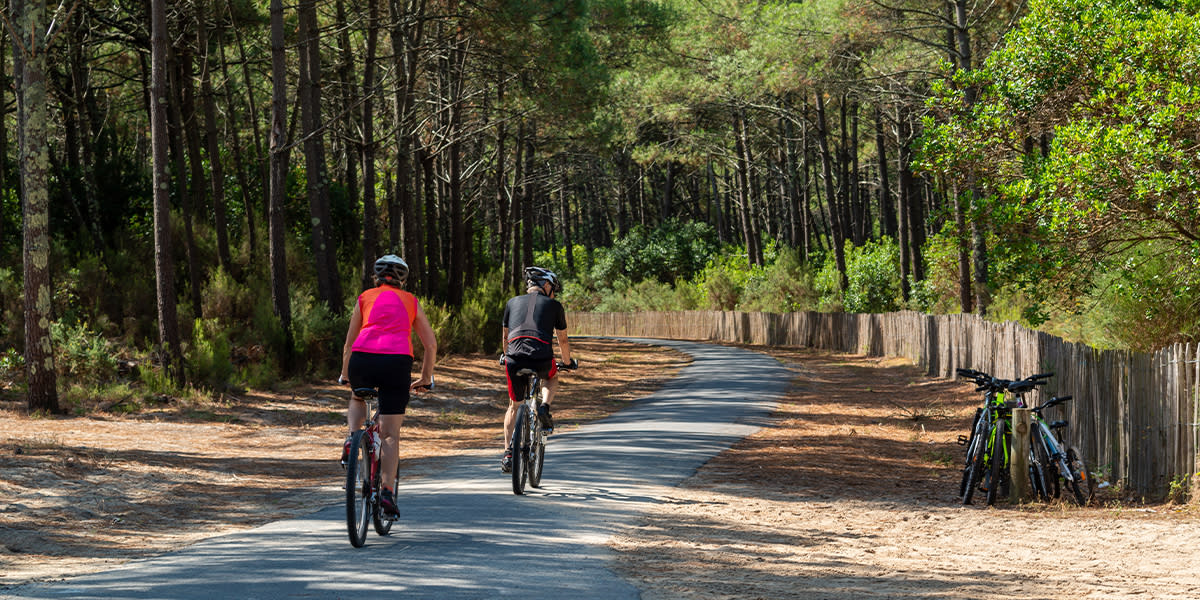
(506, 462)
(387, 501)
(544, 417)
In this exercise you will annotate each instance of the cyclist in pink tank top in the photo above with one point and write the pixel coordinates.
(378, 353)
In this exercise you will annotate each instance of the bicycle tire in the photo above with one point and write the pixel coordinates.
(520, 451)
(1079, 477)
(1037, 466)
(971, 441)
(977, 460)
(384, 526)
(999, 461)
(358, 490)
(537, 452)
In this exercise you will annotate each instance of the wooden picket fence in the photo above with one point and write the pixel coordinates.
(1134, 415)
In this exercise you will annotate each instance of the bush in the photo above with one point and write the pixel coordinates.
(318, 335)
(786, 285)
(480, 315)
(207, 360)
(649, 295)
(82, 356)
(872, 279)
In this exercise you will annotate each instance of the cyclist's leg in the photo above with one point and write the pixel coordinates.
(393, 376)
(516, 393)
(547, 372)
(360, 369)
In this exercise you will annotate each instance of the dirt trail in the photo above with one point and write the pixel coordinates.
(850, 494)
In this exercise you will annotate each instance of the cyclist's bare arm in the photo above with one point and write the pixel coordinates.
(564, 346)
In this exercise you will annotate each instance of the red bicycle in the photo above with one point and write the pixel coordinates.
(363, 476)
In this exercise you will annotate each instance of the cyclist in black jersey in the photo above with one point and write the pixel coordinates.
(530, 324)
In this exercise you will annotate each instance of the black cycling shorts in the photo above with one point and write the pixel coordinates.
(544, 367)
(390, 373)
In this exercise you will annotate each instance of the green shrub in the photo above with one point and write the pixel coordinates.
(480, 315)
(649, 294)
(873, 277)
(319, 335)
(785, 285)
(208, 360)
(447, 327)
(82, 356)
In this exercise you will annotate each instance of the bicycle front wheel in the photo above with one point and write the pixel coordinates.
(999, 460)
(973, 473)
(520, 450)
(358, 491)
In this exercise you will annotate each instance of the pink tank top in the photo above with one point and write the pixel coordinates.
(388, 314)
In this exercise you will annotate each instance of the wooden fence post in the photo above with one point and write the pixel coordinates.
(1018, 463)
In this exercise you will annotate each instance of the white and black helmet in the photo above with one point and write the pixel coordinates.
(538, 276)
(391, 269)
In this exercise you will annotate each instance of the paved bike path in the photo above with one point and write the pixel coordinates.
(463, 534)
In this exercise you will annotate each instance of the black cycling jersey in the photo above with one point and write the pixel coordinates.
(531, 320)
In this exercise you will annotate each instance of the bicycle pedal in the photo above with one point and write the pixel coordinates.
(962, 440)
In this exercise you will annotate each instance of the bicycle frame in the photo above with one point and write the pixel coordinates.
(368, 482)
(529, 439)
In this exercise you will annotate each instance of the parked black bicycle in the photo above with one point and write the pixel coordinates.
(989, 443)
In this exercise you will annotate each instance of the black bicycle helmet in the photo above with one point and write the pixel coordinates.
(391, 269)
(538, 276)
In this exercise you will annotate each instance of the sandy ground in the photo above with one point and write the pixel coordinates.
(851, 493)
(848, 493)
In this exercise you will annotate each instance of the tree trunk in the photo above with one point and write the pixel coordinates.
(324, 252)
(276, 228)
(964, 254)
(170, 348)
(565, 216)
(529, 190)
(459, 246)
(240, 164)
(887, 208)
(742, 176)
(33, 162)
(370, 235)
(432, 239)
(351, 155)
(835, 226)
(216, 169)
(185, 192)
(503, 194)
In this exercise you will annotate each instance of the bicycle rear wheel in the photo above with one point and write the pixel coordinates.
(1080, 483)
(537, 451)
(999, 460)
(358, 491)
(520, 450)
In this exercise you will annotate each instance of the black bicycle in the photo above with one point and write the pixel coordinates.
(989, 443)
(528, 440)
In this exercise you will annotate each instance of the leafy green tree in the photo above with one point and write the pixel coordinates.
(1085, 135)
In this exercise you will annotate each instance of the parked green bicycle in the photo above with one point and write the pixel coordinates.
(989, 443)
